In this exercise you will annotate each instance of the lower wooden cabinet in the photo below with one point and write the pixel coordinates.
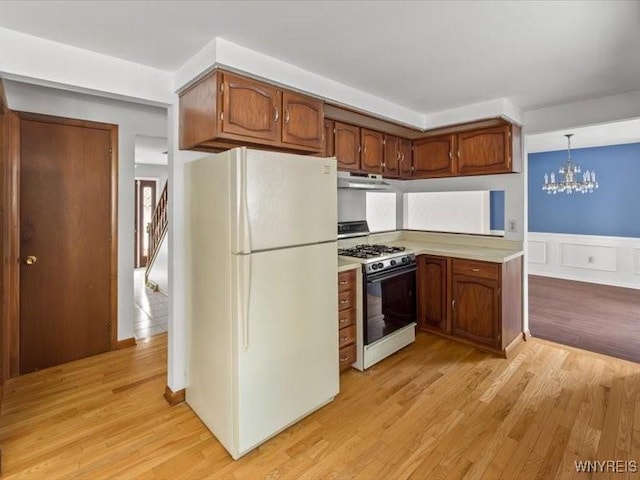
(473, 301)
(434, 292)
(346, 318)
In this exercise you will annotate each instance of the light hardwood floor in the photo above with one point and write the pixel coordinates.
(435, 410)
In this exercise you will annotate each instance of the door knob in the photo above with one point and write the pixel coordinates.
(30, 260)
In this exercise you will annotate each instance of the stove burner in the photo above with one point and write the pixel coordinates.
(369, 251)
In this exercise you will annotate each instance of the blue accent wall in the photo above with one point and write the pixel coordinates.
(496, 210)
(612, 210)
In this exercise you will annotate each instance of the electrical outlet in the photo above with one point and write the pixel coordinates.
(512, 226)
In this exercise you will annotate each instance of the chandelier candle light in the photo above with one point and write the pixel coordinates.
(570, 183)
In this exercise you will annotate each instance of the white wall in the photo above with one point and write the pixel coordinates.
(585, 258)
(147, 170)
(512, 184)
(132, 119)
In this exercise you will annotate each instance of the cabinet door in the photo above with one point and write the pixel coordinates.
(250, 109)
(487, 150)
(476, 309)
(372, 151)
(302, 120)
(327, 144)
(433, 293)
(346, 144)
(405, 168)
(433, 156)
(391, 156)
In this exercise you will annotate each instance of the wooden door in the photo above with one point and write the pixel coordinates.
(346, 146)
(67, 256)
(485, 151)
(145, 203)
(391, 155)
(302, 120)
(405, 168)
(433, 156)
(372, 151)
(433, 293)
(476, 309)
(250, 109)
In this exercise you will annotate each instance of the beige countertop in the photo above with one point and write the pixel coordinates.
(470, 252)
(345, 264)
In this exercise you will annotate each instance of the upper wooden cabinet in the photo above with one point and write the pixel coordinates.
(225, 110)
(346, 146)
(405, 166)
(372, 158)
(302, 120)
(434, 156)
(483, 151)
(250, 109)
(327, 146)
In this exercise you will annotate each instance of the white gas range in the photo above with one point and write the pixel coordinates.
(388, 296)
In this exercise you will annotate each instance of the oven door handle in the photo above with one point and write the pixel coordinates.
(387, 275)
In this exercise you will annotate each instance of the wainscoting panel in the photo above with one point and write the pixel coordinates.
(588, 256)
(537, 251)
(585, 258)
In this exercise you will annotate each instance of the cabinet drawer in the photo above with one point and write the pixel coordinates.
(347, 318)
(346, 299)
(346, 336)
(347, 280)
(346, 357)
(476, 268)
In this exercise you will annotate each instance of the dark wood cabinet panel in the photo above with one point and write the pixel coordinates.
(302, 120)
(405, 167)
(347, 305)
(372, 157)
(484, 151)
(476, 309)
(347, 146)
(327, 145)
(433, 292)
(391, 155)
(250, 108)
(434, 156)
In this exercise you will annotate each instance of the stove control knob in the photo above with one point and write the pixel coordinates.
(380, 265)
(393, 262)
(405, 259)
(374, 266)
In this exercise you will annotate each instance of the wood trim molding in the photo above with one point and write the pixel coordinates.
(174, 398)
(4, 105)
(126, 343)
(526, 335)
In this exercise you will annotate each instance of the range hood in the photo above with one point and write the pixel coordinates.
(362, 181)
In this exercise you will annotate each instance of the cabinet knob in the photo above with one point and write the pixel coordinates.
(287, 117)
(276, 114)
(342, 339)
(453, 304)
(343, 282)
(475, 269)
(342, 302)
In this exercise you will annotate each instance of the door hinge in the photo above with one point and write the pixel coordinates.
(222, 88)
(222, 116)
(110, 150)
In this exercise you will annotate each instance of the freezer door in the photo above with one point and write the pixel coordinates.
(287, 339)
(282, 200)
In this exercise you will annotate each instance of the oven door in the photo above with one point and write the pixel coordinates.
(389, 302)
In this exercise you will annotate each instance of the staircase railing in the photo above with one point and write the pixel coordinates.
(157, 230)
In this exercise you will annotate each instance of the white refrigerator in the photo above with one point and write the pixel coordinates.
(262, 327)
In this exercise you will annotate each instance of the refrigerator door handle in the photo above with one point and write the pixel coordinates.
(246, 295)
(243, 239)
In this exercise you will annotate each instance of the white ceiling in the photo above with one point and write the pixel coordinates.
(427, 56)
(615, 133)
(150, 150)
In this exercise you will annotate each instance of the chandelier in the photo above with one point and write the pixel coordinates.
(570, 183)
